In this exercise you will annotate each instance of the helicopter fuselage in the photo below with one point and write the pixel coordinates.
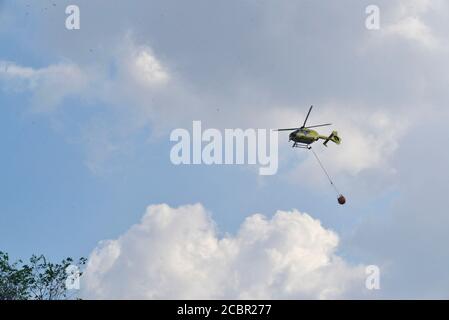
(305, 136)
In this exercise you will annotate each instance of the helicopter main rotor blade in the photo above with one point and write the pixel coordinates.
(319, 125)
(307, 117)
(288, 129)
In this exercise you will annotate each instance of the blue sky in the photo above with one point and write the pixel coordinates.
(85, 140)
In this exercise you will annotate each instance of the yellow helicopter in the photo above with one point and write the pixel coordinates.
(303, 137)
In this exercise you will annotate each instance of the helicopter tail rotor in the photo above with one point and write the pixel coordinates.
(333, 137)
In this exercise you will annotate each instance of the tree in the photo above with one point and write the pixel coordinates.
(37, 280)
(14, 281)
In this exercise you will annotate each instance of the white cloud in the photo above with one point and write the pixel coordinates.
(146, 69)
(138, 71)
(409, 22)
(49, 85)
(369, 140)
(177, 253)
(135, 95)
(413, 28)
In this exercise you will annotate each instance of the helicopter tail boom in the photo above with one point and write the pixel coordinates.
(333, 137)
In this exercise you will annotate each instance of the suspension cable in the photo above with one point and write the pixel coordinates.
(325, 171)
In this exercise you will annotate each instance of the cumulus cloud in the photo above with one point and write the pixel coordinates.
(178, 253)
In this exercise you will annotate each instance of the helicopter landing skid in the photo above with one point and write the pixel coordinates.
(302, 146)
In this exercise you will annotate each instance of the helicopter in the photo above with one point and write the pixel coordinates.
(303, 136)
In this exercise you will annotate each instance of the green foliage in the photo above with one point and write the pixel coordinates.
(14, 281)
(37, 280)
